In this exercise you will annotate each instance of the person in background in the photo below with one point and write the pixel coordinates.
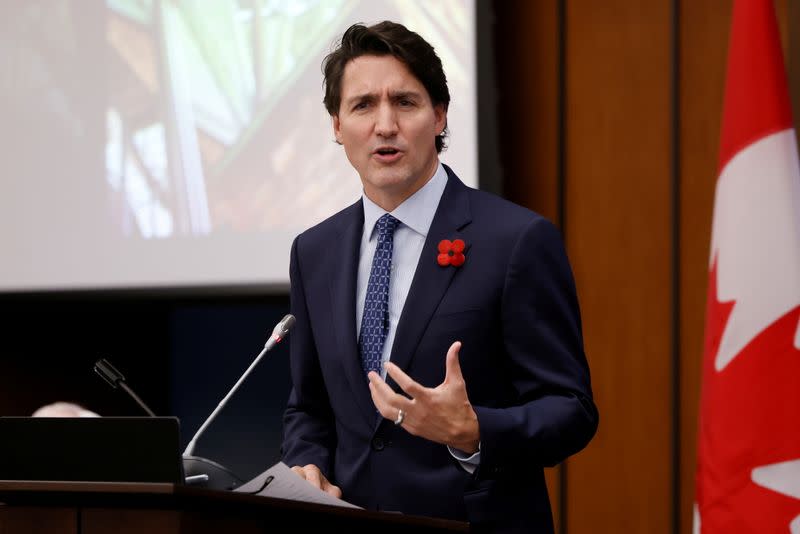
(437, 360)
(63, 409)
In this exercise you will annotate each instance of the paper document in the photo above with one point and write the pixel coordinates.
(282, 483)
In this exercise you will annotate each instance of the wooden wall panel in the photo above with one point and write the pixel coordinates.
(618, 229)
(35, 520)
(704, 28)
(528, 119)
(528, 102)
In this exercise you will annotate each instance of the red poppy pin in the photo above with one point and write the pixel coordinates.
(451, 253)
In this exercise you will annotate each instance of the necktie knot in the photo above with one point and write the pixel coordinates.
(386, 226)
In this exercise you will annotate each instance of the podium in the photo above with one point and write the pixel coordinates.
(163, 508)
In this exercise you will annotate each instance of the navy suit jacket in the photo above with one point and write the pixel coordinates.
(514, 307)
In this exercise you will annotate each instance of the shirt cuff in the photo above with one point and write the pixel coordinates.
(469, 462)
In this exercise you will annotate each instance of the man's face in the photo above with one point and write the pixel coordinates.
(388, 126)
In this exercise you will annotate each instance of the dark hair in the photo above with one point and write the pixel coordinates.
(386, 38)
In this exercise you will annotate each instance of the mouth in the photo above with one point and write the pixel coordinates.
(387, 154)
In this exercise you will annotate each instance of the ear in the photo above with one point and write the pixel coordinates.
(337, 132)
(440, 114)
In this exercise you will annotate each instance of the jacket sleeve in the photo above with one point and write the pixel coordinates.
(309, 434)
(555, 415)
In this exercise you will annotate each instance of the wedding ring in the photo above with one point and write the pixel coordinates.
(400, 416)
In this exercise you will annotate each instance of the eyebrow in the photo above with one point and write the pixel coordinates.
(371, 97)
(399, 95)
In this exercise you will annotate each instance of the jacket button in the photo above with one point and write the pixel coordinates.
(378, 444)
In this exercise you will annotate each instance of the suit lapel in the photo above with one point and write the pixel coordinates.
(431, 280)
(344, 254)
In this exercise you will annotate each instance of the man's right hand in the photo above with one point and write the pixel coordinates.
(315, 477)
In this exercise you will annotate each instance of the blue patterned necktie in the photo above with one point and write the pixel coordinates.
(375, 320)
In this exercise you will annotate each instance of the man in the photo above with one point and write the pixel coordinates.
(437, 360)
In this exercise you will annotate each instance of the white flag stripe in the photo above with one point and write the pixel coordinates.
(756, 239)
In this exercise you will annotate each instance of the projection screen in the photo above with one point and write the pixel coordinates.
(183, 143)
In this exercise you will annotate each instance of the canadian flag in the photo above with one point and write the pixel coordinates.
(748, 471)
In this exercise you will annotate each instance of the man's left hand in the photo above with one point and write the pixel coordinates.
(442, 414)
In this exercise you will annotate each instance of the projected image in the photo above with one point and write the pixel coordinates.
(214, 119)
(163, 143)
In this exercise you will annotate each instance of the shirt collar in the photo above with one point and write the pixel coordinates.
(417, 211)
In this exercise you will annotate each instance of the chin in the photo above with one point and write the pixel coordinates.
(388, 180)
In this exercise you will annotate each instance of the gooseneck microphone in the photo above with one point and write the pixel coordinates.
(280, 331)
(199, 470)
(117, 380)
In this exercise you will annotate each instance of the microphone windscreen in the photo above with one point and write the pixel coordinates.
(283, 327)
(108, 373)
(288, 322)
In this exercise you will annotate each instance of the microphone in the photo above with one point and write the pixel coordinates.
(116, 379)
(280, 331)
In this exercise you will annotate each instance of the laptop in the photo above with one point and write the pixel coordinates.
(91, 449)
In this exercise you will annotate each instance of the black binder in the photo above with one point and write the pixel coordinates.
(92, 449)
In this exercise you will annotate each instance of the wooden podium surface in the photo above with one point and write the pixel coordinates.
(33, 507)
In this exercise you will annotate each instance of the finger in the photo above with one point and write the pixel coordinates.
(387, 401)
(405, 382)
(385, 390)
(374, 377)
(380, 386)
(333, 490)
(300, 471)
(452, 365)
(379, 396)
(314, 476)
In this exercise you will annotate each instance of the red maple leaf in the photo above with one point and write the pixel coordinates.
(749, 417)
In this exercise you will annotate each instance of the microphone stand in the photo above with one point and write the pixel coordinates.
(217, 476)
(193, 443)
(206, 472)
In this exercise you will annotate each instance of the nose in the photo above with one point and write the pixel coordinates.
(386, 121)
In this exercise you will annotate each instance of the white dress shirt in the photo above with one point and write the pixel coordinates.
(415, 215)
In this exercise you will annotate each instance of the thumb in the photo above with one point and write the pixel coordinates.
(452, 366)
